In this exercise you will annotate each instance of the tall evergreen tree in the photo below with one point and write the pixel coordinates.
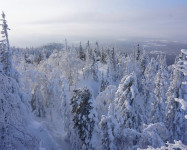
(5, 51)
(108, 126)
(103, 58)
(97, 50)
(175, 120)
(94, 68)
(149, 86)
(81, 53)
(112, 66)
(138, 53)
(104, 83)
(89, 53)
(161, 87)
(84, 122)
(37, 103)
(144, 61)
(126, 103)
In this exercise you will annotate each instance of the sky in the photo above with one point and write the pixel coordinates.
(36, 22)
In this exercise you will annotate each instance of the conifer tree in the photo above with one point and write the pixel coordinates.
(94, 68)
(37, 103)
(84, 122)
(149, 86)
(81, 53)
(89, 53)
(5, 51)
(144, 61)
(104, 83)
(97, 50)
(138, 53)
(108, 126)
(112, 66)
(175, 120)
(126, 103)
(103, 56)
(177, 97)
(161, 86)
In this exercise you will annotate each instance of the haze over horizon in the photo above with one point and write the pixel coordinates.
(35, 22)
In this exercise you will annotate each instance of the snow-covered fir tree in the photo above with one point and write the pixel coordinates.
(89, 53)
(104, 83)
(5, 51)
(83, 118)
(37, 103)
(112, 66)
(103, 58)
(161, 85)
(138, 53)
(94, 68)
(175, 120)
(149, 86)
(81, 53)
(107, 126)
(97, 50)
(144, 61)
(127, 109)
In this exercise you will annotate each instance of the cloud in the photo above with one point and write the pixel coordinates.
(94, 18)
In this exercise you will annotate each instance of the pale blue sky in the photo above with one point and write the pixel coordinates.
(35, 22)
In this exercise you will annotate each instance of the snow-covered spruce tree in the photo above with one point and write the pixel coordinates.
(38, 56)
(138, 53)
(37, 102)
(83, 116)
(5, 51)
(109, 129)
(94, 68)
(122, 65)
(66, 110)
(90, 65)
(88, 52)
(141, 60)
(81, 53)
(158, 63)
(150, 73)
(139, 67)
(177, 115)
(127, 108)
(144, 61)
(128, 66)
(149, 86)
(97, 50)
(103, 58)
(104, 99)
(104, 83)
(161, 86)
(107, 126)
(70, 66)
(175, 119)
(112, 66)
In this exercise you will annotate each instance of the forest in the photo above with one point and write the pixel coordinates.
(90, 97)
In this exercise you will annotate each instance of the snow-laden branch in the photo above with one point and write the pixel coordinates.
(183, 103)
(169, 146)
